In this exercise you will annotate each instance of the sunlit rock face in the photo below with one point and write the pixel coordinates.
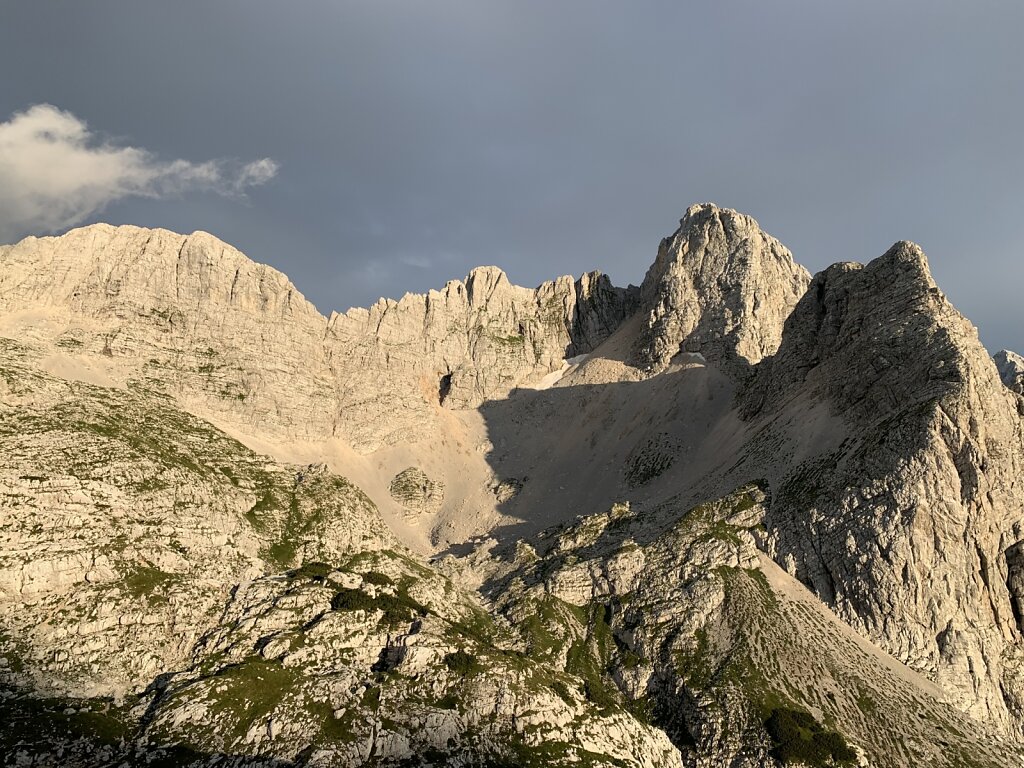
(721, 287)
(192, 315)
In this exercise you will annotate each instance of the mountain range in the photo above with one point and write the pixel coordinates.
(737, 516)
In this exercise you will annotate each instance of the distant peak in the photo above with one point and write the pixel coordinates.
(488, 273)
(1011, 369)
(100, 266)
(482, 282)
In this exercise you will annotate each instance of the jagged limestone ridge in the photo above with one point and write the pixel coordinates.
(197, 318)
(906, 520)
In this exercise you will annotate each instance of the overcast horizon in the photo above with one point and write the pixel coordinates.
(368, 149)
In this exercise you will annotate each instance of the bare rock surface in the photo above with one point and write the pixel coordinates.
(903, 526)
(721, 287)
(417, 492)
(195, 317)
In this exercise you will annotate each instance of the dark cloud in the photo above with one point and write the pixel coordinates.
(420, 139)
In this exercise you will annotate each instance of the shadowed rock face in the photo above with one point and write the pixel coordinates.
(668, 521)
(903, 528)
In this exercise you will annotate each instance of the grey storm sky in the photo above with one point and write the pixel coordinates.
(415, 140)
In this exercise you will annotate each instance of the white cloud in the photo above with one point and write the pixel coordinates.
(55, 173)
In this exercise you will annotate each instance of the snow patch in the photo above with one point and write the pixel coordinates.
(554, 377)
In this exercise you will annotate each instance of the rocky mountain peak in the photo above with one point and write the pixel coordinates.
(719, 286)
(906, 262)
(483, 282)
(918, 485)
(102, 269)
(874, 316)
(1011, 369)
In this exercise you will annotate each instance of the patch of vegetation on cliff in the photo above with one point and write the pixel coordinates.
(590, 657)
(149, 583)
(462, 663)
(312, 571)
(799, 739)
(315, 501)
(246, 692)
(522, 755)
(546, 625)
(34, 725)
(511, 340)
(395, 608)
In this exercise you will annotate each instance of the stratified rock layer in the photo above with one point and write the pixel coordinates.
(417, 492)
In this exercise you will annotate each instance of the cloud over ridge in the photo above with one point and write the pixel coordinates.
(55, 172)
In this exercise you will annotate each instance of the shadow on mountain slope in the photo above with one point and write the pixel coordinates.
(571, 451)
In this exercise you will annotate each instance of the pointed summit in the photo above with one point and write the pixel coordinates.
(719, 286)
(908, 524)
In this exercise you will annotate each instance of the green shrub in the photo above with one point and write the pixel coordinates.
(462, 663)
(352, 600)
(581, 663)
(312, 571)
(448, 701)
(378, 579)
(147, 582)
(800, 739)
(395, 608)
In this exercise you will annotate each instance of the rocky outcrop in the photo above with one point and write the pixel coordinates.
(675, 612)
(125, 523)
(1011, 369)
(376, 661)
(416, 492)
(720, 287)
